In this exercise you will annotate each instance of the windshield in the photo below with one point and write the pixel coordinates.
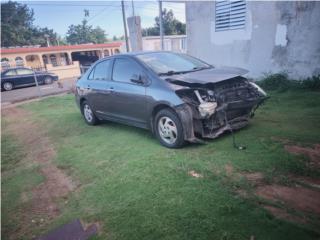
(171, 63)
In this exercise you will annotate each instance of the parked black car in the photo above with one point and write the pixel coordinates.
(20, 76)
(178, 97)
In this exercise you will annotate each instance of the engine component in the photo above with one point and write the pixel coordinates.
(206, 109)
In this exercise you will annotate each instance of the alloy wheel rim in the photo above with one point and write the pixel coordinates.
(88, 113)
(7, 86)
(167, 130)
(47, 80)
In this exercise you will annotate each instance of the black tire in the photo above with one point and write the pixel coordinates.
(165, 115)
(7, 86)
(47, 80)
(85, 108)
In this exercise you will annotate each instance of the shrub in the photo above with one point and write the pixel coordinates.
(312, 83)
(280, 82)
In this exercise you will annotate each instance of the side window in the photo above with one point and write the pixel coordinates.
(124, 69)
(100, 71)
(11, 73)
(24, 71)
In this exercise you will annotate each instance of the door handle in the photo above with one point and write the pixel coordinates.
(111, 89)
(88, 87)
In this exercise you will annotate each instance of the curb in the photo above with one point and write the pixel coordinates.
(32, 99)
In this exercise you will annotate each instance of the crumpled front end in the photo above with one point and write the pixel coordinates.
(214, 108)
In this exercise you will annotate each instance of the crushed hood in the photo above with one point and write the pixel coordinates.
(202, 77)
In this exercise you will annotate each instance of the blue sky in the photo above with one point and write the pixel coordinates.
(58, 15)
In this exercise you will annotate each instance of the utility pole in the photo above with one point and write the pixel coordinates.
(47, 38)
(125, 26)
(132, 8)
(37, 83)
(161, 27)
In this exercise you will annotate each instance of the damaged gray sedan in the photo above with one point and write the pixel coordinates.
(178, 97)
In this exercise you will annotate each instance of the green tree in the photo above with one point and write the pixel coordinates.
(115, 38)
(17, 27)
(40, 35)
(84, 33)
(171, 26)
(16, 23)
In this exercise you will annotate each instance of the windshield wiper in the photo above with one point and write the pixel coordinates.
(169, 73)
(200, 68)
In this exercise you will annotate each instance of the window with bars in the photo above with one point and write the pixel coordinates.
(230, 15)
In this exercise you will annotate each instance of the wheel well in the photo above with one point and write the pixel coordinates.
(155, 110)
(81, 102)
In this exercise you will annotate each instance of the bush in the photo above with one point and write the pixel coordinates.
(280, 82)
(312, 83)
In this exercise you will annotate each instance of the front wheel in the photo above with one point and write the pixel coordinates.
(168, 129)
(88, 114)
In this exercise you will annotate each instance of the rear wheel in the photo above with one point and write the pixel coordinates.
(7, 86)
(88, 114)
(48, 80)
(168, 129)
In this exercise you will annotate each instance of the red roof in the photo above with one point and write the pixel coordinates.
(59, 48)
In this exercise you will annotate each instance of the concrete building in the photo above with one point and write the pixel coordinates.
(65, 61)
(263, 37)
(175, 43)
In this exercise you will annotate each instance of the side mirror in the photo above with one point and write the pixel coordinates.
(138, 79)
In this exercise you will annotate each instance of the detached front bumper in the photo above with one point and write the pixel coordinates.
(228, 117)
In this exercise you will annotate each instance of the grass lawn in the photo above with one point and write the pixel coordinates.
(137, 189)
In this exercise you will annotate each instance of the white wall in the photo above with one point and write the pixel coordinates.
(171, 43)
(278, 36)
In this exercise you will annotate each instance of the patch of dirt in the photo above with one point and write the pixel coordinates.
(43, 202)
(255, 178)
(304, 197)
(299, 198)
(284, 215)
(243, 193)
(229, 169)
(195, 174)
(312, 153)
(303, 180)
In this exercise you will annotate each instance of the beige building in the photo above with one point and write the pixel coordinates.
(65, 61)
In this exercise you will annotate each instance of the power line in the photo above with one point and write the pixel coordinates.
(94, 5)
(104, 9)
(67, 4)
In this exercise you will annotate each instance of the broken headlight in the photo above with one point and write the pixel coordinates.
(260, 90)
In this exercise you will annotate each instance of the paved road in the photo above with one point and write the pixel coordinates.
(21, 94)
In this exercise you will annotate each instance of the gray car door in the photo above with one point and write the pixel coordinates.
(98, 88)
(128, 100)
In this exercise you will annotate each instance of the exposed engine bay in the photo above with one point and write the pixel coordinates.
(217, 107)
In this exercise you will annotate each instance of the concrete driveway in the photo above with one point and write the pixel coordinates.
(22, 94)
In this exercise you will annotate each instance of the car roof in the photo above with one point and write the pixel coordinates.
(15, 68)
(141, 53)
